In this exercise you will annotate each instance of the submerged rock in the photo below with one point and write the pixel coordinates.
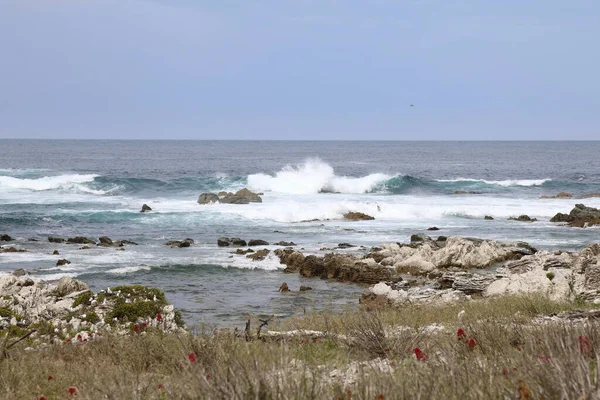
(523, 218)
(62, 261)
(284, 288)
(80, 240)
(11, 250)
(52, 239)
(285, 244)
(489, 218)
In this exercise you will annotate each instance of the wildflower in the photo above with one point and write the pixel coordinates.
(380, 397)
(50, 377)
(302, 341)
(192, 357)
(544, 358)
(472, 343)
(161, 386)
(420, 354)
(79, 337)
(144, 324)
(159, 317)
(72, 391)
(392, 363)
(505, 371)
(315, 340)
(136, 327)
(207, 376)
(460, 334)
(42, 397)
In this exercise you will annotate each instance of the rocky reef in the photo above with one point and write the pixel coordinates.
(243, 196)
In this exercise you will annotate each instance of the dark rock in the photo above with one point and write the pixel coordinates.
(257, 242)
(345, 245)
(358, 216)
(561, 217)
(55, 253)
(243, 252)
(238, 242)
(5, 238)
(285, 244)
(124, 242)
(145, 208)
(180, 243)
(433, 228)
(105, 241)
(243, 196)
(420, 237)
(223, 242)
(305, 288)
(56, 239)
(80, 240)
(488, 217)
(580, 216)
(259, 255)
(284, 287)
(11, 250)
(20, 272)
(62, 261)
(523, 218)
(207, 198)
(85, 248)
(465, 192)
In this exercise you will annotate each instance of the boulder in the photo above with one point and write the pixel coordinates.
(20, 272)
(580, 216)
(52, 239)
(68, 285)
(305, 288)
(105, 241)
(243, 196)
(80, 240)
(345, 245)
(208, 198)
(225, 241)
(433, 228)
(5, 238)
(257, 242)
(358, 216)
(284, 288)
(145, 208)
(62, 261)
(285, 244)
(55, 253)
(223, 193)
(259, 255)
(243, 252)
(180, 243)
(489, 218)
(523, 218)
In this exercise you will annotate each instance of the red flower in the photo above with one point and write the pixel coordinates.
(161, 386)
(159, 317)
(315, 340)
(72, 391)
(504, 371)
(207, 376)
(472, 343)
(50, 377)
(460, 334)
(420, 354)
(544, 358)
(380, 397)
(79, 337)
(136, 327)
(392, 363)
(144, 324)
(192, 357)
(302, 341)
(42, 397)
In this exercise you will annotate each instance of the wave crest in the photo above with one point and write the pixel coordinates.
(46, 182)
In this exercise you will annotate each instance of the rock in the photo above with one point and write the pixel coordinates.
(5, 238)
(145, 208)
(590, 195)
(285, 244)
(259, 255)
(345, 245)
(222, 193)
(465, 192)
(561, 195)
(384, 294)
(180, 243)
(56, 239)
(20, 272)
(105, 241)
(208, 198)
(11, 250)
(305, 288)
(488, 217)
(55, 253)
(433, 228)
(243, 196)
(243, 252)
(257, 242)
(523, 218)
(84, 248)
(358, 216)
(465, 282)
(80, 240)
(62, 261)
(225, 241)
(284, 288)
(580, 216)
(67, 286)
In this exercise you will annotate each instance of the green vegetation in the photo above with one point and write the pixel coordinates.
(83, 298)
(135, 302)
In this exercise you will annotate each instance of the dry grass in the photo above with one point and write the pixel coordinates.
(364, 356)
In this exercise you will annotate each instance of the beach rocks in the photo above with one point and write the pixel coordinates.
(80, 240)
(580, 216)
(5, 238)
(523, 218)
(243, 196)
(257, 242)
(561, 195)
(357, 216)
(225, 241)
(145, 208)
(180, 243)
(208, 198)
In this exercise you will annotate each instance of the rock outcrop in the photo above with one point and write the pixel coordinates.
(523, 218)
(180, 243)
(226, 241)
(358, 216)
(208, 198)
(243, 196)
(580, 216)
(80, 240)
(257, 242)
(5, 238)
(145, 208)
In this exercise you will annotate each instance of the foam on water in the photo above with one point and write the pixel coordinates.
(504, 183)
(313, 176)
(46, 183)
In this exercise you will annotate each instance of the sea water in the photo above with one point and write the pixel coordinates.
(96, 188)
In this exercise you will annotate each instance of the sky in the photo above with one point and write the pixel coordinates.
(300, 69)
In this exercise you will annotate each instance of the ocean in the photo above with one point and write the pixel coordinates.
(96, 188)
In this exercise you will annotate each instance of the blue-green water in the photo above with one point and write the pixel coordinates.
(96, 188)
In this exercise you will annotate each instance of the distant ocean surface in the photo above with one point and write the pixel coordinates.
(96, 188)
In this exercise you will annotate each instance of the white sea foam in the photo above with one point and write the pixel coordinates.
(46, 182)
(313, 176)
(505, 183)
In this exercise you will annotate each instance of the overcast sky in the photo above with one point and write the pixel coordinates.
(300, 69)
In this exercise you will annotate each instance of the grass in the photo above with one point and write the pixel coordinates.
(363, 355)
